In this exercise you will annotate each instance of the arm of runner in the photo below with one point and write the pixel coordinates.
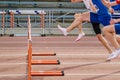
(107, 3)
(113, 21)
(76, 0)
(117, 2)
(111, 10)
(92, 7)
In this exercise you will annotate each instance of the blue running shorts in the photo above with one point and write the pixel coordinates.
(103, 19)
(117, 28)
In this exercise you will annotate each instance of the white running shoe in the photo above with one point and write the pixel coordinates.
(111, 56)
(63, 30)
(80, 36)
(114, 55)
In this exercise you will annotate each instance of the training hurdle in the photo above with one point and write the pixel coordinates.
(12, 23)
(3, 23)
(41, 13)
(39, 62)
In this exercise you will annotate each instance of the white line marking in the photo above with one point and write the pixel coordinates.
(85, 63)
(86, 54)
(82, 63)
(13, 75)
(92, 74)
(13, 63)
(23, 54)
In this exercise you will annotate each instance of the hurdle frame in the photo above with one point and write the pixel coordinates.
(39, 62)
(3, 23)
(40, 13)
(12, 23)
(42, 22)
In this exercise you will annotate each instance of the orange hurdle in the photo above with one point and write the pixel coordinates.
(29, 49)
(48, 62)
(44, 54)
(39, 62)
(42, 19)
(12, 23)
(47, 73)
(3, 23)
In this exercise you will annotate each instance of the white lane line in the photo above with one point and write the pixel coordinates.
(13, 63)
(59, 54)
(85, 54)
(73, 47)
(8, 75)
(95, 74)
(66, 74)
(23, 54)
(85, 63)
(67, 63)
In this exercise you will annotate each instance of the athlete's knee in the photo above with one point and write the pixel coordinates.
(118, 38)
(77, 15)
(104, 30)
(79, 19)
(85, 16)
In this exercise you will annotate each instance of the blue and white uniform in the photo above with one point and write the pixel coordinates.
(116, 16)
(102, 16)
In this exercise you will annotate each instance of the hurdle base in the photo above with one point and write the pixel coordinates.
(11, 35)
(47, 73)
(43, 35)
(45, 62)
(44, 54)
(1, 35)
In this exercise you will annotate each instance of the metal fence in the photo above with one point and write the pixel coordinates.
(52, 17)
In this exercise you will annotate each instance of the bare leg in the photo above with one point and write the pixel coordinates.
(84, 17)
(80, 25)
(77, 22)
(118, 38)
(97, 30)
(81, 33)
(109, 33)
(104, 42)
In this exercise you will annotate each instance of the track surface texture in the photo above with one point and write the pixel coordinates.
(82, 60)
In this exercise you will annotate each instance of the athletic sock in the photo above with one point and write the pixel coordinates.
(80, 36)
(63, 30)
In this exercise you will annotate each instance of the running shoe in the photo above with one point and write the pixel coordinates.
(63, 30)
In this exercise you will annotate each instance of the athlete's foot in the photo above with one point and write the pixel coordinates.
(114, 55)
(63, 30)
(80, 36)
(111, 56)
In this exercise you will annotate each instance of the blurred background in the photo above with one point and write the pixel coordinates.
(57, 12)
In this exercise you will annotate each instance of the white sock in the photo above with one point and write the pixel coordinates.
(63, 30)
(80, 36)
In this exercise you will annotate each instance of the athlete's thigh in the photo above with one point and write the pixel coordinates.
(86, 16)
(109, 28)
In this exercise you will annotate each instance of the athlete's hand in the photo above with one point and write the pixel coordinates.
(111, 10)
(112, 21)
(76, 1)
